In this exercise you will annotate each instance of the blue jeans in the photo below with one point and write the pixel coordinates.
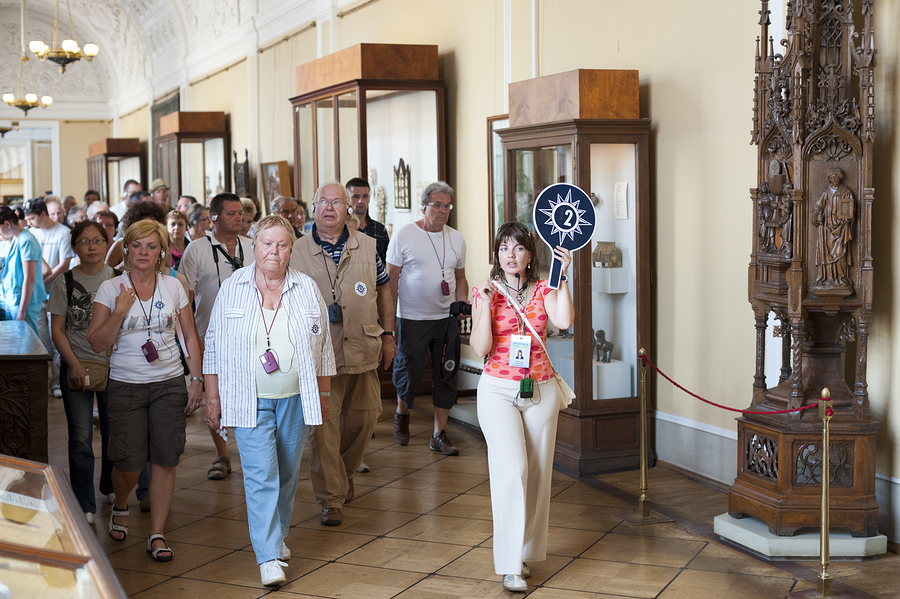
(270, 460)
(79, 406)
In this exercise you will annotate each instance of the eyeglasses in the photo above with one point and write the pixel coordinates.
(439, 206)
(96, 241)
(333, 203)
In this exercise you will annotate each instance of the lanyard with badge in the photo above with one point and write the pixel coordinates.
(149, 348)
(520, 345)
(268, 358)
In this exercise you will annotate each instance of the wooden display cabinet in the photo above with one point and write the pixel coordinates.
(194, 151)
(359, 111)
(589, 134)
(111, 162)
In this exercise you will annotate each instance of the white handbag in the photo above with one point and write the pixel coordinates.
(565, 392)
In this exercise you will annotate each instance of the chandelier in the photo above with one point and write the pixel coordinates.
(69, 51)
(20, 99)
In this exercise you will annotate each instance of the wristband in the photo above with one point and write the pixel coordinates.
(196, 378)
(388, 334)
(325, 393)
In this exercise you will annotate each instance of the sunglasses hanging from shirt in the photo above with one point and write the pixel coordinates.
(235, 263)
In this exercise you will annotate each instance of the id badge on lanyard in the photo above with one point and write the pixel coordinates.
(520, 351)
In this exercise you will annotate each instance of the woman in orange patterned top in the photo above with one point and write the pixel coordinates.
(517, 397)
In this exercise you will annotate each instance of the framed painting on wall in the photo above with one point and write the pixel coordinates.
(276, 180)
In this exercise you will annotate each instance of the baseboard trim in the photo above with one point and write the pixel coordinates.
(699, 478)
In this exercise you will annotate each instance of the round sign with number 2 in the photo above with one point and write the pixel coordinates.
(563, 215)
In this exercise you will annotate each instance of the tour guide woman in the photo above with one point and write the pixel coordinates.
(520, 432)
(268, 364)
(146, 419)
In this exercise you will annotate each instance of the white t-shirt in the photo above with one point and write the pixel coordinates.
(56, 243)
(205, 277)
(128, 363)
(420, 255)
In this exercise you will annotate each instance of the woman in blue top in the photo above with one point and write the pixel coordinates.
(21, 282)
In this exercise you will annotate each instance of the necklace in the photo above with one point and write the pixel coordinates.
(441, 259)
(266, 281)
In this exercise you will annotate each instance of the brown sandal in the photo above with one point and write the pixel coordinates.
(219, 469)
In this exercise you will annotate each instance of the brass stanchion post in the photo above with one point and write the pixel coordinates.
(643, 514)
(823, 587)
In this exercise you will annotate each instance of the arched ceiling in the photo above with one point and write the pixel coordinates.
(143, 46)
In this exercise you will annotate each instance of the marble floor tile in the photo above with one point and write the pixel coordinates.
(718, 585)
(613, 578)
(348, 581)
(633, 549)
(459, 531)
(403, 554)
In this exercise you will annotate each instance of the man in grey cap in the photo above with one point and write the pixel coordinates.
(159, 191)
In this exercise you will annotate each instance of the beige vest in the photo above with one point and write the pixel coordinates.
(357, 339)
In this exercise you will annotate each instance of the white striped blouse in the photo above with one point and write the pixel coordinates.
(231, 344)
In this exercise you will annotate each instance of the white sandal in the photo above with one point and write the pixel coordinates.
(155, 552)
(113, 527)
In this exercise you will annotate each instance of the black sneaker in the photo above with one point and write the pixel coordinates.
(442, 443)
(401, 428)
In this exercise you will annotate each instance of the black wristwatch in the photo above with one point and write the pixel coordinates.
(388, 333)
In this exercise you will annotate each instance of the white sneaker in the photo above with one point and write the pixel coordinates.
(271, 574)
(57, 392)
(285, 552)
(526, 570)
(89, 516)
(513, 582)
(363, 467)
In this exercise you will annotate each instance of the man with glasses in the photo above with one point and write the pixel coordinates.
(207, 262)
(56, 250)
(426, 261)
(287, 208)
(352, 280)
(358, 190)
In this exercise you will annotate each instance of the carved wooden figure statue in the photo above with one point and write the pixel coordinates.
(833, 214)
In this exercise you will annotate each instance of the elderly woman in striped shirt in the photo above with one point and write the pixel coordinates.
(268, 364)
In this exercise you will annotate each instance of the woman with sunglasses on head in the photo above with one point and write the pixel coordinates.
(139, 315)
(518, 404)
(70, 305)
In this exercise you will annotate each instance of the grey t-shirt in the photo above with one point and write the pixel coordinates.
(79, 313)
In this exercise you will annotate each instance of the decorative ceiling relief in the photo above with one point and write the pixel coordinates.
(82, 81)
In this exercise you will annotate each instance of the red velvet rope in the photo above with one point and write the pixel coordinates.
(647, 361)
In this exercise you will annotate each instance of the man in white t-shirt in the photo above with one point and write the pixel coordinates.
(426, 261)
(206, 263)
(119, 208)
(56, 250)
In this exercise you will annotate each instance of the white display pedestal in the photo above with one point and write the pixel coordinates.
(612, 379)
(754, 535)
(609, 280)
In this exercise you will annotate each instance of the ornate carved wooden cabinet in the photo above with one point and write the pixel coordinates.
(583, 127)
(811, 266)
(113, 161)
(23, 392)
(194, 152)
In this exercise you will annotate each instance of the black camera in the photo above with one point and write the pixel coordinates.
(460, 307)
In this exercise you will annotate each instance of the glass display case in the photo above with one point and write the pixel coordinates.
(47, 548)
(610, 279)
(371, 111)
(113, 161)
(194, 150)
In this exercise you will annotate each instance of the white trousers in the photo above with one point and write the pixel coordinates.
(521, 436)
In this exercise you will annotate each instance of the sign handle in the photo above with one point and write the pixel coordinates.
(555, 273)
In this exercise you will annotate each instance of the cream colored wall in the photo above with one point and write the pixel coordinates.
(884, 353)
(277, 85)
(135, 124)
(225, 91)
(75, 137)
